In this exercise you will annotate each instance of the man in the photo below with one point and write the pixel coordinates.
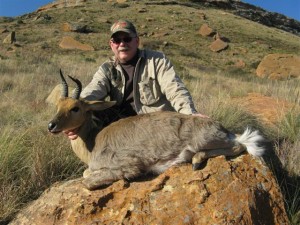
(140, 81)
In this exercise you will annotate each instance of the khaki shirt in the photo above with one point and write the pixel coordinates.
(156, 86)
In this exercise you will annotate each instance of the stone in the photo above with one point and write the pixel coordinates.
(142, 10)
(205, 30)
(267, 109)
(72, 27)
(70, 43)
(236, 191)
(240, 64)
(279, 67)
(218, 36)
(218, 45)
(55, 94)
(202, 16)
(10, 39)
(160, 34)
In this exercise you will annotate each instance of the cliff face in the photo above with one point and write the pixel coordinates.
(236, 191)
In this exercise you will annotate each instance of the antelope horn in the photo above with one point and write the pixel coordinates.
(78, 87)
(64, 84)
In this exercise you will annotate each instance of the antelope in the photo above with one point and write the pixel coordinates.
(147, 143)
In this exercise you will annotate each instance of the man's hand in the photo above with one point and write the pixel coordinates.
(72, 134)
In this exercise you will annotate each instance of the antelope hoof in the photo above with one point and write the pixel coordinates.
(87, 173)
(197, 160)
(92, 184)
(196, 166)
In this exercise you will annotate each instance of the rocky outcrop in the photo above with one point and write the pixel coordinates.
(235, 191)
(279, 67)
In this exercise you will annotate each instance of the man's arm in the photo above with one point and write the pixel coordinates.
(174, 89)
(98, 88)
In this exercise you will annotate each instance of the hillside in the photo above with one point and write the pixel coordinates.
(41, 32)
(223, 83)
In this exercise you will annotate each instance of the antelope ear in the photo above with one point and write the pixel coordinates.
(99, 105)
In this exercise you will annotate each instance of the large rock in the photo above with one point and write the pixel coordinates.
(269, 110)
(236, 191)
(279, 66)
(10, 39)
(56, 94)
(205, 30)
(73, 27)
(218, 45)
(71, 43)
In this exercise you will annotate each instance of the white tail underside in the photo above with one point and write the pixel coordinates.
(250, 139)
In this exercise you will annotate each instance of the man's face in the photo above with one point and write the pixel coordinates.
(124, 46)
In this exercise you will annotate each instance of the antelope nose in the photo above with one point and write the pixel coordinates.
(51, 126)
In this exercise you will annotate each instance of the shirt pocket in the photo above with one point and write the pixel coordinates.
(149, 91)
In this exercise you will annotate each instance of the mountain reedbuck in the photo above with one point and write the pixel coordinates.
(145, 143)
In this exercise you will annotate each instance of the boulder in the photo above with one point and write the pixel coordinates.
(72, 27)
(269, 110)
(56, 93)
(10, 39)
(218, 45)
(279, 66)
(226, 191)
(218, 36)
(240, 63)
(205, 30)
(202, 16)
(71, 43)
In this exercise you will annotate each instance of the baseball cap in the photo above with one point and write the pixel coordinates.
(124, 26)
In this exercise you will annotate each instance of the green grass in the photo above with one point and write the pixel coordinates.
(30, 161)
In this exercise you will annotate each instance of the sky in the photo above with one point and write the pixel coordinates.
(290, 8)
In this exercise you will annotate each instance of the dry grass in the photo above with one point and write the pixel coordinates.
(31, 159)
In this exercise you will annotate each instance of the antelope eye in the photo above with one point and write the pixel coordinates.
(75, 109)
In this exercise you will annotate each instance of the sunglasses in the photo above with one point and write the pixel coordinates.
(117, 40)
